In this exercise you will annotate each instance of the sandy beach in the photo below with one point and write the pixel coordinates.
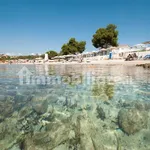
(109, 62)
(105, 62)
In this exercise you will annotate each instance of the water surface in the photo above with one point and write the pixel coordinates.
(74, 107)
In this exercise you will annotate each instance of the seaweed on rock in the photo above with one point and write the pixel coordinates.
(101, 113)
(104, 91)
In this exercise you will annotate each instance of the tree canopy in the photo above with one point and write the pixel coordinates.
(105, 37)
(29, 57)
(51, 54)
(73, 47)
(147, 42)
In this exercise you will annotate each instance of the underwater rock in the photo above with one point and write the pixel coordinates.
(71, 134)
(1, 118)
(52, 98)
(39, 127)
(121, 102)
(41, 138)
(101, 113)
(62, 116)
(54, 138)
(25, 127)
(6, 108)
(62, 147)
(140, 105)
(60, 92)
(36, 140)
(72, 103)
(24, 112)
(146, 65)
(67, 101)
(104, 97)
(16, 147)
(104, 91)
(58, 133)
(84, 107)
(27, 143)
(21, 98)
(145, 105)
(8, 133)
(28, 120)
(2, 131)
(132, 120)
(38, 98)
(139, 65)
(146, 137)
(109, 141)
(49, 115)
(40, 107)
(86, 130)
(143, 92)
(52, 125)
(6, 98)
(2, 97)
(12, 92)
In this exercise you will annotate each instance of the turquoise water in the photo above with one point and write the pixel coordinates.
(71, 107)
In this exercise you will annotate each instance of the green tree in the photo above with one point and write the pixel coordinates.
(81, 46)
(43, 55)
(51, 54)
(30, 57)
(105, 37)
(73, 47)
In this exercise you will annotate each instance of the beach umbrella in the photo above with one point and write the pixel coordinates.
(113, 47)
(103, 49)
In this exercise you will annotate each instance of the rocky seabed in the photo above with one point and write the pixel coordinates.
(30, 121)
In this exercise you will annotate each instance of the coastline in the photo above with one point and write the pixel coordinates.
(103, 62)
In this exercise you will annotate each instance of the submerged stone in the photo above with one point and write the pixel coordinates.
(132, 120)
(62, 147)
(85, 129)
(21, 98)
(24, 112)
(146, 65)
(6, 108)
(40, 107)
(146, 137)
(9, 134)
(145, 105)
(41, 138)
(2, 97)
(101, 113)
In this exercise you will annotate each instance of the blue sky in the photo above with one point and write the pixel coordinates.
(35, 26)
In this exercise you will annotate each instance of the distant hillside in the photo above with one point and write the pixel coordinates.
(147, 42)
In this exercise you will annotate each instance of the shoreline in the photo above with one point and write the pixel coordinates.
(103, 62)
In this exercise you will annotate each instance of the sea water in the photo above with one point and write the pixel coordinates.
(71, 107)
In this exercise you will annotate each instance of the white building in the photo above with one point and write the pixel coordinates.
(46, 57)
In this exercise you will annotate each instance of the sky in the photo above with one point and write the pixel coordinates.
(36, 26)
